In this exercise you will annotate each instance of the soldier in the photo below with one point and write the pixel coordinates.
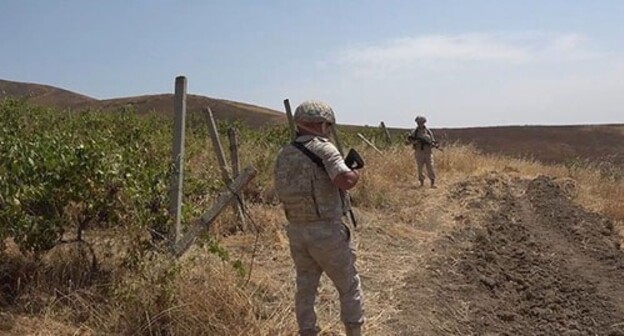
(423, 141)
(309, 174)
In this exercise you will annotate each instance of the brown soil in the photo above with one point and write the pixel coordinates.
(536, 265)
(602, 145)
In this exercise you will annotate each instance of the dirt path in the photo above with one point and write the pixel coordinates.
(494, 254)
(522, 260)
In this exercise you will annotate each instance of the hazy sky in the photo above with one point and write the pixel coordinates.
(460, 63)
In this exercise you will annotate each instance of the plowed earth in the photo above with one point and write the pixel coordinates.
(523, 259)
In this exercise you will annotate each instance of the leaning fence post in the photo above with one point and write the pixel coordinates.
(368, 142)
(177, 176)
(216, 144)
(203, 223)
(386, 133)
(291, 120)
(234, 157)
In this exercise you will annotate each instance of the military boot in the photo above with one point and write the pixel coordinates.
(433, 183)
(353, 330)
(310, 332)
(422, 182)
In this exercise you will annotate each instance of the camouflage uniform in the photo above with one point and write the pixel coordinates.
(423, 152)
(319, 241)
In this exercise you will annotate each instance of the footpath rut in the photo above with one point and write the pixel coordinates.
(521, 260)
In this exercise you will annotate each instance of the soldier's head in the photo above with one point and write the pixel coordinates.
(420, 120)
(314, 117)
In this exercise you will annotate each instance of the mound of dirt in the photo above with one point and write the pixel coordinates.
(537, 265)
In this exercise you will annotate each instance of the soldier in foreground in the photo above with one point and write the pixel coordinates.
(423, 142)
(309, 174)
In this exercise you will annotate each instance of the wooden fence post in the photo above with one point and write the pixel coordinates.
(177, 176)
(368, 142)
(216, 144)
(291, 120)
(234, 156)
(386, 133)
(203, 223)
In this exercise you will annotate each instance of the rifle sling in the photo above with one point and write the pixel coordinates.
(315, 158)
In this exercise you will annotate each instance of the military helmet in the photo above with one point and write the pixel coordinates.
(420, 119)
(314, 111)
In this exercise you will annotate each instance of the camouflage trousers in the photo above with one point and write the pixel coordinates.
(424, 159)
(324, 247)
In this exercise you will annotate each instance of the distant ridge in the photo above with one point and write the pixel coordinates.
(50, 96)
(602, 145)
(44, 95)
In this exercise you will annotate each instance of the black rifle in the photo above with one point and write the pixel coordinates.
(354, 160)
(423, 141)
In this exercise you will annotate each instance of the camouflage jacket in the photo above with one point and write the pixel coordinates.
(422, 139)
(305, 189)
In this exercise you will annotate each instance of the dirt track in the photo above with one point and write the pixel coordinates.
(523, 260)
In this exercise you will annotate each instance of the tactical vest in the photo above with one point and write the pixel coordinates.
(305, 189)
(422, 133)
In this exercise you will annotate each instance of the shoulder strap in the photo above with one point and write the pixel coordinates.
(315, 158)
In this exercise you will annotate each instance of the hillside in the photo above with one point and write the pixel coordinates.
(599, 144)
(44, 95)
(254, 116)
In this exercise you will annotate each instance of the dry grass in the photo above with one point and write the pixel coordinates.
(204, 295)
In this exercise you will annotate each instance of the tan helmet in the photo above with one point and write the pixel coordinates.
(420, 120)
(314, 111)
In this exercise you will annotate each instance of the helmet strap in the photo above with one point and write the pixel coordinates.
(307, 130)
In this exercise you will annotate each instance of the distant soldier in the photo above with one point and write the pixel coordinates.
(423, 142)
(309, 174)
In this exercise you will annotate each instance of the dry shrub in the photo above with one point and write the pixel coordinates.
(70, 266)
(54, 293)
(45, 326)
(210, 301)
(462, 161)
(143, 297)
(16, 272)
(214, 301)
(377, 186)
(614, 200)
(458, 159)
(264, 218)
(600, 192)
(201, 295)
(32, 282)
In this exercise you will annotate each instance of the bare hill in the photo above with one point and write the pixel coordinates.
(254, 116)
(600, 144)
(44, 95)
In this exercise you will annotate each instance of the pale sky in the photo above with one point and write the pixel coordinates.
(460, 63)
